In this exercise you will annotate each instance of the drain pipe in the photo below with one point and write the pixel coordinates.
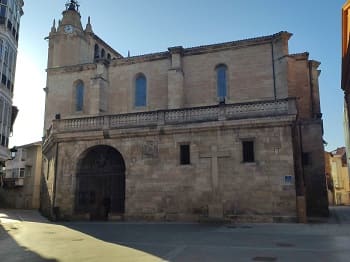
(54, 209)
(273, 70)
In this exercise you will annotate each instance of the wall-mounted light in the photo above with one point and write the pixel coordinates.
(13, 152)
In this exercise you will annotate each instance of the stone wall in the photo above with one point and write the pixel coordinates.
(314, 169)
(216, 183)
(175, 79)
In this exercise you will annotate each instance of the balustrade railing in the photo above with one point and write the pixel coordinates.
(178, 116)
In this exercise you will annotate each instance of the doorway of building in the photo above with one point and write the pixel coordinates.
(100, 183)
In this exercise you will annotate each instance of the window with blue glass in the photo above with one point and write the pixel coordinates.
(79, 97)
(140, 90)
(221, 79)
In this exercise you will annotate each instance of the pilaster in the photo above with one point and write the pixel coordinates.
(176, 79)
(98, 92)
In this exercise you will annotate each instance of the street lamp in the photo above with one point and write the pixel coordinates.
(13, 152)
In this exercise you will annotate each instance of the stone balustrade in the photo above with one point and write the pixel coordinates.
(178, 116)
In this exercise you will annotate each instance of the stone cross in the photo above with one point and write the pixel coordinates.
(215, 154)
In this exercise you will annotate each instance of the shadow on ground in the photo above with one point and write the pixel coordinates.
(158, 239)
(11, 251)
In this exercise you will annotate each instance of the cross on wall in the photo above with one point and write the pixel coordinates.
(214, 155)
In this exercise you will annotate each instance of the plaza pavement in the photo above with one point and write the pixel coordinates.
(26, 236)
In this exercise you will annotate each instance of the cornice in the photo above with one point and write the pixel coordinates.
(346, 5)
(236, 44)
(140, 58)
(201, 49)
(72, 68)
(300, 56)
(261, 122)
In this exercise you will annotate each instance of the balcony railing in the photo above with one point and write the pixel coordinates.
(177, 116)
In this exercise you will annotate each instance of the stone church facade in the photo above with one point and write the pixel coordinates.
(227, 131)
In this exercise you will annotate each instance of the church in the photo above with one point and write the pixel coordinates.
(230, 131)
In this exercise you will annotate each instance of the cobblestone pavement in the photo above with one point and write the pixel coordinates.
(39, 240)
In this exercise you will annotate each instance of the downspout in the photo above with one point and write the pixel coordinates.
(302, 177)
(297, 138)
(301, 194)
(273, 70)
(54, 209)
(311, 90)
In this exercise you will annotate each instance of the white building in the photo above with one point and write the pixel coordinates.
(22, 177)
(10, 15)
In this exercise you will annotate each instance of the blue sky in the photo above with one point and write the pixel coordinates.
(154, 25)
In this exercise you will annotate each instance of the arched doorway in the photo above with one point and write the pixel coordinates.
(100, 183)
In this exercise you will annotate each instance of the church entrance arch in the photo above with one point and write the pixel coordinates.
(100, 183)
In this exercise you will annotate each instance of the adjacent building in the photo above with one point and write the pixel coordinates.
(23, 176)
(230, 130)
(340, 182)
(10, 16)
(329, 178)
(345, 79)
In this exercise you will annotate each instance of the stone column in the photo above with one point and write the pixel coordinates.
(98, 92)
(176, 79)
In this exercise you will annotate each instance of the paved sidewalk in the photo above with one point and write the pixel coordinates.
(40, 240)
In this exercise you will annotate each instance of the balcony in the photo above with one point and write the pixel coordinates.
(14, 178)
(176, 116)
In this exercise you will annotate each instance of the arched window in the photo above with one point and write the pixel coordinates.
(221, 81)
(79, 96)
(97, 51)
(109, 56)
(103, 53)
(140, 90)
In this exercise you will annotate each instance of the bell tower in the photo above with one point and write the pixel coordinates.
(69, 47)
(68, 42)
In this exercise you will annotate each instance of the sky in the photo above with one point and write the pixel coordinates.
(154, 25)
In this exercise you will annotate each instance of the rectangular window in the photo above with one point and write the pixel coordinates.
(185, 155)
(248, 151)
(21, 172)
(288, 180)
